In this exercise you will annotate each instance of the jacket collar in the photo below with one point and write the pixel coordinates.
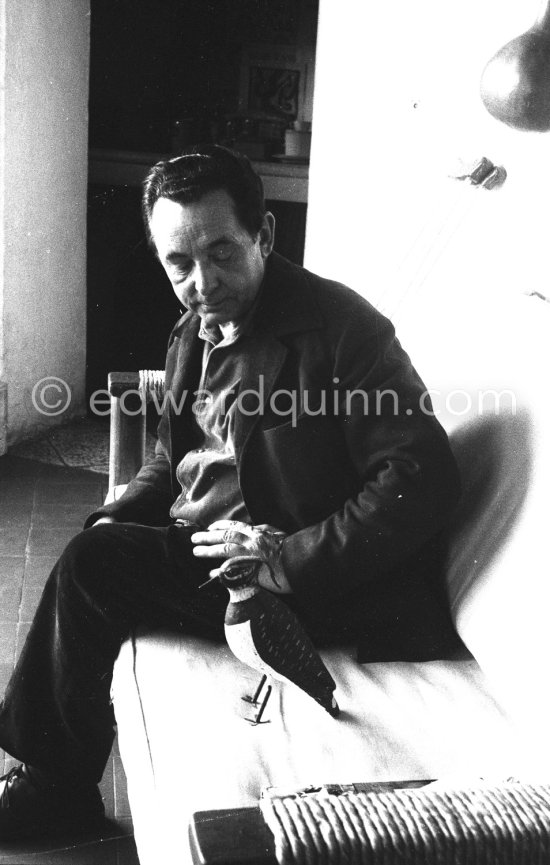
(287, 302)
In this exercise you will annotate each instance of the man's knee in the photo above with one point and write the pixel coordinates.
(85, 556)
(90, 543)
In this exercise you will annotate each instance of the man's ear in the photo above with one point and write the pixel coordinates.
(266, 235)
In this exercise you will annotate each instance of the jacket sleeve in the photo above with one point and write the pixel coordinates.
(147, 498)
(408, 481)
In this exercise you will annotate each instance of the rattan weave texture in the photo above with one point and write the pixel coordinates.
(151, 382)
(504, 824)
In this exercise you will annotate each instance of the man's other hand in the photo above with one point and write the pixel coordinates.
(225, 539)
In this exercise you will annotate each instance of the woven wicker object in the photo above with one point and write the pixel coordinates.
(505, 824)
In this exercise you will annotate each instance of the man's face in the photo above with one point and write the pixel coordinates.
(214, 265)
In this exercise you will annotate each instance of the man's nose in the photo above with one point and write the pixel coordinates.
(206, 278)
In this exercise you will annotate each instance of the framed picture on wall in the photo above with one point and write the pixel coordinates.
(277, 82)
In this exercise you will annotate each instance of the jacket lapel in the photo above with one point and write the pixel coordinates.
(286, 306)
(263, 359)
(182, 377)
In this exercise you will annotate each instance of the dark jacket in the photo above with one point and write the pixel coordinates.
(360, 481)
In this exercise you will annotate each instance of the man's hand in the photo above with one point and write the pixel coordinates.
(103, 520)
(225, 539)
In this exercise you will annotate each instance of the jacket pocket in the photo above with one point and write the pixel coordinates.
(305, 464)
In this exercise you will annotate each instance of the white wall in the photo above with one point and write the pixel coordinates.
(448, 262)
(43, 141)
(396, 105)
(3, 386)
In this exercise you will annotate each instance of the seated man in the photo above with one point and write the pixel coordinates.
(294, 426)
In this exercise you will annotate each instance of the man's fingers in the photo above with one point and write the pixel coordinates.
(204, 538)
(210, 538)
(216, 551)
(237, 525)
(232, 526)
(230, 535)
(223, 539)
(219, 551)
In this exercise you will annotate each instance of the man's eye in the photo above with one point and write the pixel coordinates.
(222, 253)
(182, 271)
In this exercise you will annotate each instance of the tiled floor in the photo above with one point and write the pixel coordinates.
(41, 507)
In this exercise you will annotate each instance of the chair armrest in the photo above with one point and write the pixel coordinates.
(127, 431)
(130, 392)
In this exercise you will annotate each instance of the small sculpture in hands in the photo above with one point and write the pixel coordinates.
(265, 634)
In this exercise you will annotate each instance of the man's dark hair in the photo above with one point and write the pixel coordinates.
(202, 169)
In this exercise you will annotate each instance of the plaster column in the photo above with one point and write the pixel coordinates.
(43, 153)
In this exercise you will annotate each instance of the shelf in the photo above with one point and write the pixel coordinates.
(282, 181)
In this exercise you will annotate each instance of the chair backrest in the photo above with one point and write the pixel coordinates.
(130, 392)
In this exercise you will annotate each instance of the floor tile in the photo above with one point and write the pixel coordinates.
(15, 494)
(49, 542)
(16, 514)
(67, 515)
(55, 475)
(68, 494)
(8, 635)
(37, 569)
(5, 673)
(24, 470)
(20, 636)
(12, 569)
(29, 602)
(10, 601)
(13, 540)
